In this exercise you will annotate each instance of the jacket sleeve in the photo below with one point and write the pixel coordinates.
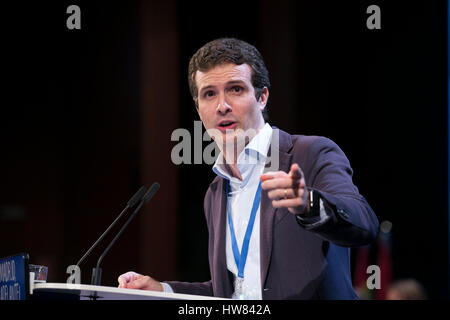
(197, 288)
(350, 220)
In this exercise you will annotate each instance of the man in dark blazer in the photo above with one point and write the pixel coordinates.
(309, 212)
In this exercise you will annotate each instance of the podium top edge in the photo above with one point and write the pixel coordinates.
(85, 289)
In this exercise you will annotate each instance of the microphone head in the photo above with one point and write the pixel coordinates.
(137, 197)
(150, 193)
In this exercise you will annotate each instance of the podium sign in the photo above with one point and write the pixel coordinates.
(14, 277)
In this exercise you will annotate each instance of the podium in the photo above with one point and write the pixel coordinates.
(17, 282)
(66, 291)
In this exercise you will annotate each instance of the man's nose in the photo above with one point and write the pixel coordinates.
(222, 105)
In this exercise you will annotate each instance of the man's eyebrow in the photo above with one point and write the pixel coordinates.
(235, 82)
(206, 88)
(231, 82)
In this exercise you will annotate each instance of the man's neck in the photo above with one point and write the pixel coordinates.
(233, 170)
(231, 157)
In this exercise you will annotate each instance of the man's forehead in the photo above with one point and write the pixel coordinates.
(223, 73)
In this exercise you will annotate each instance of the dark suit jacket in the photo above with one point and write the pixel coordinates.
(300, 258)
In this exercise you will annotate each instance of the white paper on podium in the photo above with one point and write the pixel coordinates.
(87, 292)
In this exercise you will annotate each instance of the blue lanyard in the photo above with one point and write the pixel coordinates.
(241, 258)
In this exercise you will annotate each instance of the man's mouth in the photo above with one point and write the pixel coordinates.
(226, 125)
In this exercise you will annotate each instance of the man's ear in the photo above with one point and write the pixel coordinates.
(198, 112)
(196, 106)
(263, 98)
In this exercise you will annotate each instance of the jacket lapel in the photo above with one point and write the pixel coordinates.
(267, 211)
(221, 279)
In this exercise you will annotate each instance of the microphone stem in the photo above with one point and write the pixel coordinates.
(103, 235)
(119, 233)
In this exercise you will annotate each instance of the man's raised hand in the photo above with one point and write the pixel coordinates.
(286, 190)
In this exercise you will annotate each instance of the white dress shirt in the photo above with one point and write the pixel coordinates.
(251, 162)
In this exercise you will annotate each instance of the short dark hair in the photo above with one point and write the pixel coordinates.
(228, 50)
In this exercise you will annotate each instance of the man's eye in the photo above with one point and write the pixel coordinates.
(208, 94)
(236, 89)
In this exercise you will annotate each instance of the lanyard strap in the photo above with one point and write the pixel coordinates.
(241, 258)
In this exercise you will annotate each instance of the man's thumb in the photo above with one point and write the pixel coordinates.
(295, 172)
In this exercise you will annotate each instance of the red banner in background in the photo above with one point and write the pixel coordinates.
(384, 259)
(384, 262)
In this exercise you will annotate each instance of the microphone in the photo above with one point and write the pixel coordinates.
(97, 271)
(130, 204)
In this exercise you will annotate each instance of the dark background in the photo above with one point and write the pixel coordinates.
(87, 116)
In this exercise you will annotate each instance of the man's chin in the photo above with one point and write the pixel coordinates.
(231, 137)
